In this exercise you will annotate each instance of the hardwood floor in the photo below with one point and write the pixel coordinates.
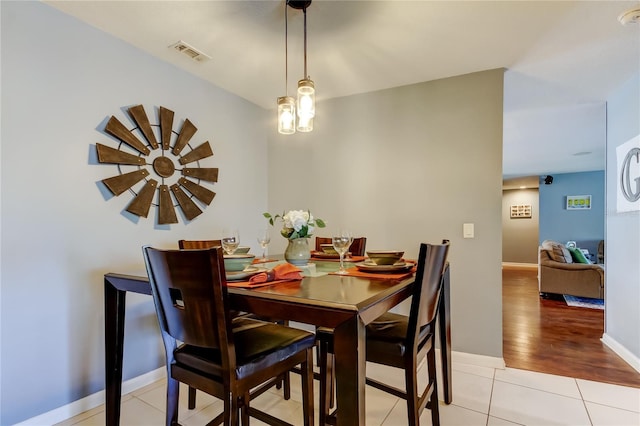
(547, 336)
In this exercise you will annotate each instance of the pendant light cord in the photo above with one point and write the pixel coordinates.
(304, 11)
(286, 50)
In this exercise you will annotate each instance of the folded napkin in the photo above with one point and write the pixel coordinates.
(282, 271)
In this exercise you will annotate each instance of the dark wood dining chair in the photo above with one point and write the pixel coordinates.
(357, 247)
(232, 359)
(205, 244)
(400, 341)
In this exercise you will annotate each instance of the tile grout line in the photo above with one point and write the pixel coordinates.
(541, 390)
(493, 383)
(390, 411)
(584, 403)
(163, 412)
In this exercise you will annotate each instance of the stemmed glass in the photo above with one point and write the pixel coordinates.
(341, 242)
(230, 240)
(264, 239)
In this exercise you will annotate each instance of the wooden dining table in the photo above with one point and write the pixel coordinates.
(345, 303)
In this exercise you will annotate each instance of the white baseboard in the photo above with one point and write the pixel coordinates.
(621, 351)
(515, 265)
(479, 360)
(91, 401)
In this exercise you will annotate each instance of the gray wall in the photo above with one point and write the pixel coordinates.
(520, 235)
(622, 249)
(421, 161)
(410, 165)
(61, 80)
(586, 227)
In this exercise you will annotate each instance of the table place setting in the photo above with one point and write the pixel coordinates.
(398, 267)
(335, 257)
(253, 276)
(382, 264)
(356, 272)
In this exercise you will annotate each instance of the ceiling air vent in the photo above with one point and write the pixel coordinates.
(190, 51)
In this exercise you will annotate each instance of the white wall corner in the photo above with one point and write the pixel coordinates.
(621, 351)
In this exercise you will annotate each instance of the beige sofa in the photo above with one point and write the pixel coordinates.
(557, 273)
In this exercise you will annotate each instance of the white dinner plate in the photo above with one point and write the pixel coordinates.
(369, 266)
(245, 273)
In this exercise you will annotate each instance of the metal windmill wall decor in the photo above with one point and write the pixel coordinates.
(139, 161)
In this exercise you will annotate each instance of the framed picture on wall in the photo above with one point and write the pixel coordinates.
(520, 211)
(578, 202)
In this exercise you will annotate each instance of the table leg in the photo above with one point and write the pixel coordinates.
(444, 329)
(349, 349)
(114, 309)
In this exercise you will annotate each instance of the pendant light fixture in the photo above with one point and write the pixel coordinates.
(306, 102)
(296, 114)
(286, 103)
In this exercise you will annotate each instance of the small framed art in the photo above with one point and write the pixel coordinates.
(520, 211)
(578, 202)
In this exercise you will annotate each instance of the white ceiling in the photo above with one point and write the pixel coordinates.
(563, 58)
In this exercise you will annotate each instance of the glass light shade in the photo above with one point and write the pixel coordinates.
(305, 123)
(286, 115)
(306, 98)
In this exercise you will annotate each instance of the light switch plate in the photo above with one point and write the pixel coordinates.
(467, 230)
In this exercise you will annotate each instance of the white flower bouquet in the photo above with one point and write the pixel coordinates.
(296, 223)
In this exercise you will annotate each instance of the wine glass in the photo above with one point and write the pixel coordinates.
(341, 242)
(264, 239)
(230, 240)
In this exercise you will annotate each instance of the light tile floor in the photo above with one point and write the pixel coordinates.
(481, 396)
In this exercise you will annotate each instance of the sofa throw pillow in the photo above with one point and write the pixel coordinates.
(557, 251)
(578, 256)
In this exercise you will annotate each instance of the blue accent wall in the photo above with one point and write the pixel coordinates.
(586, 227)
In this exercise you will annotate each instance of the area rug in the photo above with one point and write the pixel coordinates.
(584, 302)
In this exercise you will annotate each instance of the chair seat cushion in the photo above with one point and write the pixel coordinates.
(258, 345)
(386, 339)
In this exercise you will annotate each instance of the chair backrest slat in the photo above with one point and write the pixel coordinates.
(198, 244)
(432, 262)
